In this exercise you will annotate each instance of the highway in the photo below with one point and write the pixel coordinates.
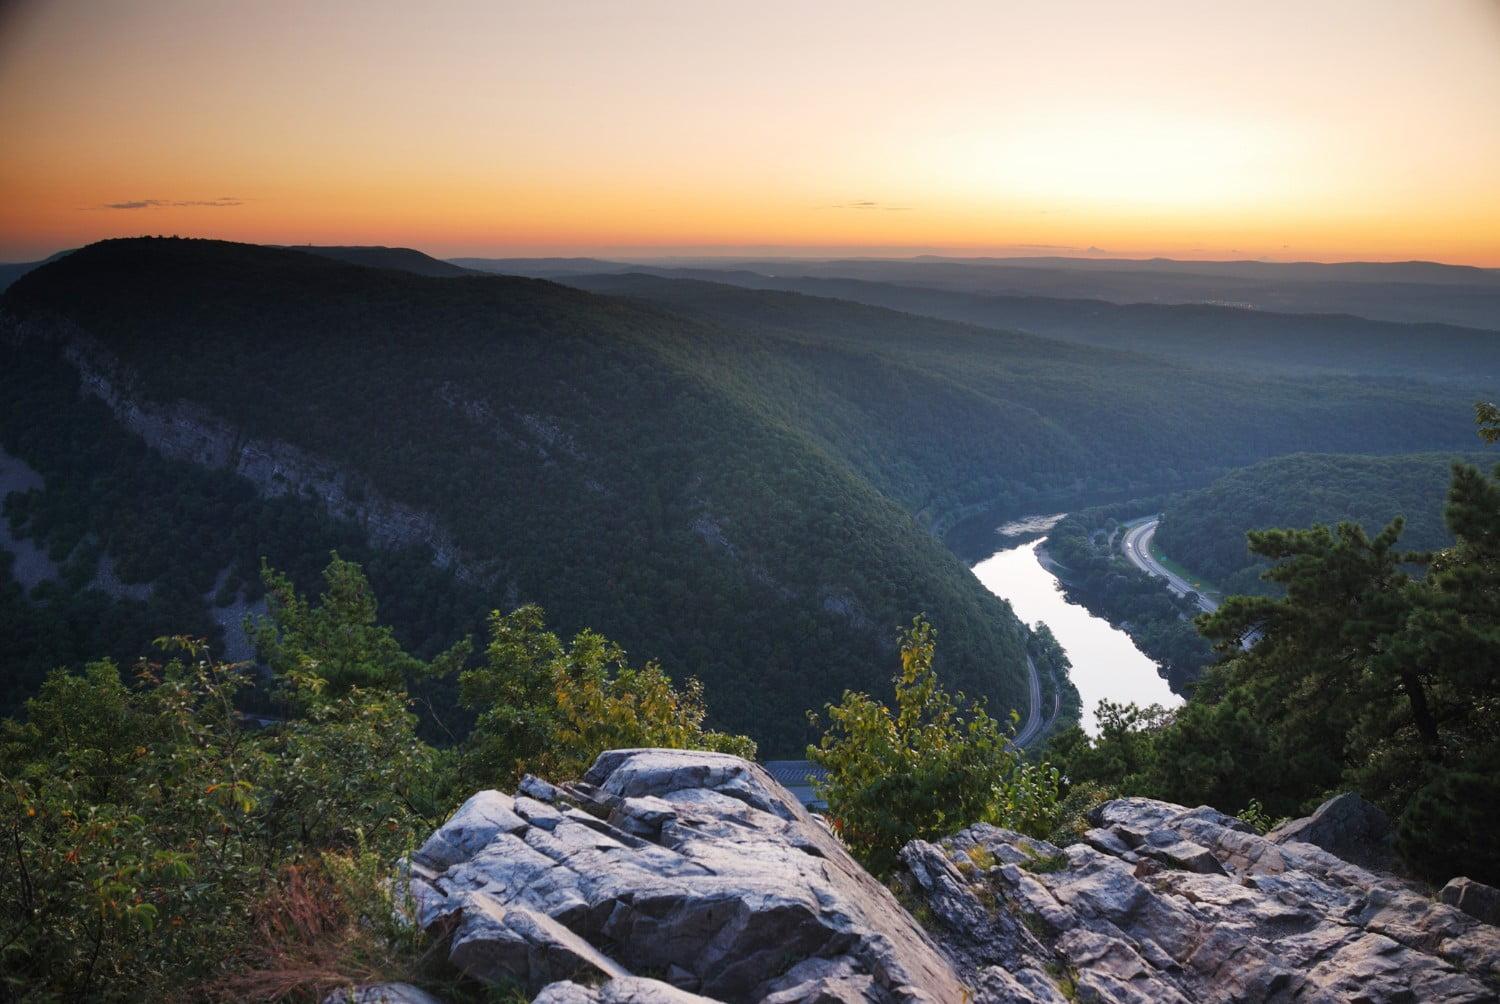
(1137, 547)
(1035, 725)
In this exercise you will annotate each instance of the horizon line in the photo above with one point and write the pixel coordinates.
(627, 254)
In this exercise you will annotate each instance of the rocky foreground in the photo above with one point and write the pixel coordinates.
(676, 876)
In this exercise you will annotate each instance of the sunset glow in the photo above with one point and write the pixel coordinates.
(1367, 129)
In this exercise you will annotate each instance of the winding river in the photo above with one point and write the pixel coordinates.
(1106, 663)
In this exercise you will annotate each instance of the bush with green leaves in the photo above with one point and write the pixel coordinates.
(155, 845)
(133, 839)
(340, 639)
(550, 709)
(928, 767)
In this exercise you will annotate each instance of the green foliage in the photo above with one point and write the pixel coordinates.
(1362, 676)
(1081, 798)
(1124, 753)
(188, 539)
(353, 771)
(1041, 864)
(124, 884)
(1254, 815)
(1487, 417)
(1053, 669)
(741, 482)
(1206, 529)
(154, 846)
(926, 768)
(1450, 823)
(339, 640)
(630, 471)
(549, 709)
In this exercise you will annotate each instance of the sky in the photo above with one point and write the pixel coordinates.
(1309, 130)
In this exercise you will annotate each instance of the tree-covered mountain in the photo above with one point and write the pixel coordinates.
(575, 450)
(400, 259)
(12, 270)
(919, 405)
(1233, 337)
(742, 483)
(1414, 291)
(1206, 529)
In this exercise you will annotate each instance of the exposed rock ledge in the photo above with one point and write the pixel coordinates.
(674, 876)
(181, 430)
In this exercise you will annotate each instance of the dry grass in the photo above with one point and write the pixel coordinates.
(309, 941)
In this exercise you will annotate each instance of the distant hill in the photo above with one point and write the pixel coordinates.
(539, 268)
(11, 271)
(1193, 333)
(1205, 529)
(1296, 271)
(400, 259)
(1409, 292)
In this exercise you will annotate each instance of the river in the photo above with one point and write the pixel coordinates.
(1106, 663)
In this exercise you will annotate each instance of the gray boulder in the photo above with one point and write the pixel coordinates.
(1135, 913)
(694, 868)
(1346, 825)
(674, 877)
(1474, 898)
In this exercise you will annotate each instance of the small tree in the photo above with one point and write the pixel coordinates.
(926, 769)
(339, 639)
(550, 709)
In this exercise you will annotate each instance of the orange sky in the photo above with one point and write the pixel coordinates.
(1365, 129)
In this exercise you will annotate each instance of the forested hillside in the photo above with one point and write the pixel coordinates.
(1205, 529)
(565, 441)
(1363, 676)
(1199, 333)
(1411, 291)
(401, 259)
(739, 482)
(948, 416)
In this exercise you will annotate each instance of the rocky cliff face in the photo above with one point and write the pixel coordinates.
(672, 875)
(667, 875)
(183, 431)
(1164, 903)
(694, 868)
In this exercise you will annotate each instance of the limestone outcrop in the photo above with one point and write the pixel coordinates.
(1164, 903)
(669, 876)
(696, 869)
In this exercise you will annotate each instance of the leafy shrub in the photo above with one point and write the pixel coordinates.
(926, 769)
(131, 830)
(551, 709)
(152, 846)
(1072, 818)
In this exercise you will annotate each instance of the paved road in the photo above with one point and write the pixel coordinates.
(1036, 726)
(1034, 715)
(1137, 547)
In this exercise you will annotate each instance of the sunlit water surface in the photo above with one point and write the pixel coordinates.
(1106, 663)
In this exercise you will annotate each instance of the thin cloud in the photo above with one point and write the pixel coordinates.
(222, 202)
(868, 204)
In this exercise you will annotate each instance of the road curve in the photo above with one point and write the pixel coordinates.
(1137, 547)
(1034, 717)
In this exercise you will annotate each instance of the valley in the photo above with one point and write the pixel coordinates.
(680, 503)
(685, 432)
